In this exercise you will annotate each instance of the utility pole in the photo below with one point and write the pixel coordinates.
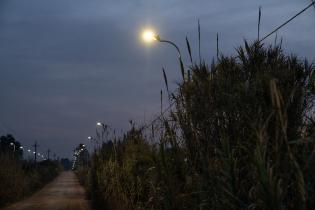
(48, 152)
(35, 154)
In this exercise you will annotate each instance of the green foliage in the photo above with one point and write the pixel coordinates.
(241, 136)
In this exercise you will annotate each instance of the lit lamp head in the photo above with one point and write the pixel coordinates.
(150, 36)
(99, 124)
(89, 138)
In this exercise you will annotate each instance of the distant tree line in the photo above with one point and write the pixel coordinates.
(20, 177)
(8, 144)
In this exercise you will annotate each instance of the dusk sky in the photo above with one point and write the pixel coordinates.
(66, 64)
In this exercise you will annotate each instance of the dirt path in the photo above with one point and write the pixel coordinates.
(64, 193)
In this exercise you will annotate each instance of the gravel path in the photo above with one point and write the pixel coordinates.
(64, 193)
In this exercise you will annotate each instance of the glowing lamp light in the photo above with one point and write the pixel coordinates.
(149, 36)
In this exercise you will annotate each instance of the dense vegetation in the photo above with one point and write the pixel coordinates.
(240, 136)
(19, 177)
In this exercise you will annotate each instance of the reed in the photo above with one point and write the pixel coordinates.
(241, 136)
(20, 178)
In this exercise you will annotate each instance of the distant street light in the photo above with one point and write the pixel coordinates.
(99, 123)
(12, 144)
(104, 128)
(93, 140)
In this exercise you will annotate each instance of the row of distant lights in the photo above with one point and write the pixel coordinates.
(98, 124)
(30, 151)
(76, 154)
(148, 35)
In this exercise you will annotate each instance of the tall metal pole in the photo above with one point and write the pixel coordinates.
(35, 154)
(48, 153)
(158, 38)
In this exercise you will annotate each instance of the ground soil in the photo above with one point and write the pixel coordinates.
(64, 193)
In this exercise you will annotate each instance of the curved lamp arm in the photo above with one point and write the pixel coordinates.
(157, 37)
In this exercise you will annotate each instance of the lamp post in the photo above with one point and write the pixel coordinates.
(21, 152)
(150, 36)
(93, 140)
(104, 129)
(12, 144)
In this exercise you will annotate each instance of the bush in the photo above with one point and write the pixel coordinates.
(241, 136)
(21, 178)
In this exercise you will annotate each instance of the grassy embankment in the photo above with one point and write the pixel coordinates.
(240, 136)
(20, 178)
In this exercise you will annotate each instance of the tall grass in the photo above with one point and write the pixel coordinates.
(241, 136)
(19, 178)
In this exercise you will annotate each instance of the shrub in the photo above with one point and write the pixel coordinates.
(21, 178)
(241, 136)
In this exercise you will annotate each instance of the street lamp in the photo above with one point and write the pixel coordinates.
(104, 129)
(149, 36)
(93, 141)
(12, 144)
(99, 124)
